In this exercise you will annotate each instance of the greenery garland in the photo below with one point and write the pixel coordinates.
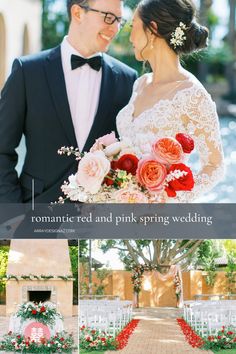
(36, 277)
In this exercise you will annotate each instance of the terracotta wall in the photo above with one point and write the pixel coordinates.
(156, 293)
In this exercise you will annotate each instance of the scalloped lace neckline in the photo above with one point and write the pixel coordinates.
(162, 100)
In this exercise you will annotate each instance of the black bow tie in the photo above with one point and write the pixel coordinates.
(94, 62)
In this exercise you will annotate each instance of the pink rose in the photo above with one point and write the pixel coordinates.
(151, 174)
(92, 169)
(130, 196)
(104, 141)
(168, 151)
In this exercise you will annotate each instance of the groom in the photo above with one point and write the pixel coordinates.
(66, 96)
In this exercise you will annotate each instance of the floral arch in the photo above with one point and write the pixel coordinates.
(174, 272)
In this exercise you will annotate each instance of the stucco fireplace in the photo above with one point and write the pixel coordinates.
(38, 267)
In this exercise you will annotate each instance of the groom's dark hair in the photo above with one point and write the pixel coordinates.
(70, 3)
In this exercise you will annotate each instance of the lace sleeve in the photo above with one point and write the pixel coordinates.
(200, 116)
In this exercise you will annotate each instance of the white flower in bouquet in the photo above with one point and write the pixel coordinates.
(73, 191)
(113, 149)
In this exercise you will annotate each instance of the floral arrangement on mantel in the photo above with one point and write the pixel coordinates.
(60, 343)
(41, 312)
(36, 277)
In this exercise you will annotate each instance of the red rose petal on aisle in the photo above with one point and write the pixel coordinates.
(123, 336)
(191, 337)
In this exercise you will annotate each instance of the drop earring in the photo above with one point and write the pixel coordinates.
(151, 43)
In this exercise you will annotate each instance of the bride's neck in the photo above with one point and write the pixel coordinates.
(166, 66)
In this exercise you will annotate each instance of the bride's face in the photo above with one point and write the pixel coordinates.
(140, 39)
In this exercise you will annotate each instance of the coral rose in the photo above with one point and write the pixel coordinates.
(93, 167)
(103, 141)
(186, 142)
(151, 174)
(179, 178)
(168, 151)
(128, 163)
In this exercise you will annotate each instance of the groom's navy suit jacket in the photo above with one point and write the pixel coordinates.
(34, 103)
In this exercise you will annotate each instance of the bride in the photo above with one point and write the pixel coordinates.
(171, 100)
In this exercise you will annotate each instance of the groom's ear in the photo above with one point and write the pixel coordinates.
(76, 12)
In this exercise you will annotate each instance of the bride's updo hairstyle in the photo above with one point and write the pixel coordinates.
(174, 21)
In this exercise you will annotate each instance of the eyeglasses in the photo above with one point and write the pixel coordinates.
(108, 17)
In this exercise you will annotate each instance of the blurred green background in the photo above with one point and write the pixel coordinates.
(216, 65)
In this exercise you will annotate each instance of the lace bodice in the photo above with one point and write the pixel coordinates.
(190, 110)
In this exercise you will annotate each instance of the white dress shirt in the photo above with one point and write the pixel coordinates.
(83, 90)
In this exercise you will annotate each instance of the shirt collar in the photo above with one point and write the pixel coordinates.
(67, 50)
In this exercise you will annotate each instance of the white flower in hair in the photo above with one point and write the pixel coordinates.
(178, 36)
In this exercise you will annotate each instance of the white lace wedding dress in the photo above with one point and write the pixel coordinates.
(189, 110)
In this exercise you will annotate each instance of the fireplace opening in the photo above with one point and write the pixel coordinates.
(37, 296)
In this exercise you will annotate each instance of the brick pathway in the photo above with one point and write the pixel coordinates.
(158, 333)
(70, 325)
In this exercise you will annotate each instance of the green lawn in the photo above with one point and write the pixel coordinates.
(83, 351)
(226, 351)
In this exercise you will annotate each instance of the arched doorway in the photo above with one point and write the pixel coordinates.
(26, 44)
(2, 50)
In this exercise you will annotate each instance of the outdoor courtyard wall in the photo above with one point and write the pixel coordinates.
(220, 285)
(158, 293)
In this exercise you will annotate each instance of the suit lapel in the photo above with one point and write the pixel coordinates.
(108, 83)
(56, 83)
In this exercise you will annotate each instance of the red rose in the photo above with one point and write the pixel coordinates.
(186, 141)
(108, 180)
(183, 183)
(42, 309)
(114, 164)
(62, 339)
(128, 163)
(34, 312)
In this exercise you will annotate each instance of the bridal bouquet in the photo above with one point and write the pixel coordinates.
(112, 171)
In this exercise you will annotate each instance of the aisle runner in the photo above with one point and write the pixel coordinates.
(160, 336)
